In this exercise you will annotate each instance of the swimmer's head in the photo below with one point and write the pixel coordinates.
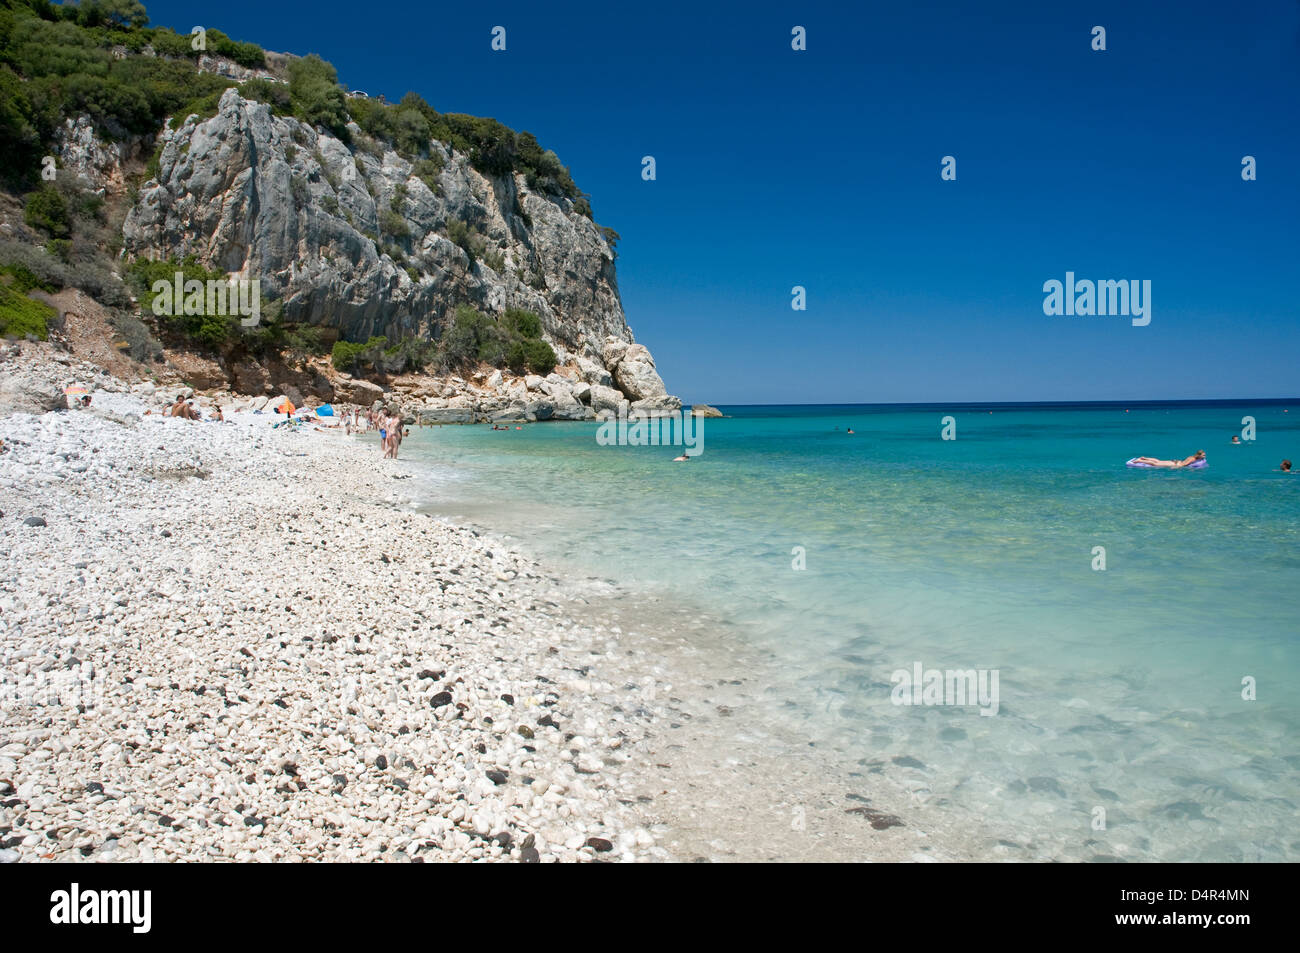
(1200, 454)
(1286, 464)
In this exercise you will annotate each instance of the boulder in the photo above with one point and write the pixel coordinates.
(704, 410)
(582, 391)
(566, 406)
(605, 398)
(351, 390)
(613, 352)
(533, 382)
(249, 377)
(539, 410)
(636, 376)
(30, 394)
(656, 406)
(593, 373)
(293, 393)
(321, 387)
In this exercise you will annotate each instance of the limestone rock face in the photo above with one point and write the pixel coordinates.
(262, 196)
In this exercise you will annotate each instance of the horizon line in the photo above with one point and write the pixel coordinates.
(1015, 403)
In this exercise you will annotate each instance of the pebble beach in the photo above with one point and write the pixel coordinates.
(227, 641)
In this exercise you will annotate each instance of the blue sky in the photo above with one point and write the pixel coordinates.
(821, 168)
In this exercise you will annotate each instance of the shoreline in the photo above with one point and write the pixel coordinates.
(276, 660)
(262, 621)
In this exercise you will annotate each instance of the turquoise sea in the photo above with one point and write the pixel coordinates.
(1119, 689)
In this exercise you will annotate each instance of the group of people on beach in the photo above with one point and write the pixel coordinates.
(386, 420)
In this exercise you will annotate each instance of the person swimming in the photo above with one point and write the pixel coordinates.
(1170, 464)
(684, 458)
(1236, 439)
(1286, 466)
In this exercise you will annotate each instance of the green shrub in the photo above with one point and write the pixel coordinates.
(273, 94)
(304, 340)
(22, 279)
(208, 330)
(245, 54)
(525, 324)
(140, 343)
(316, 95)
(393, 225)
(539, 356)
(428, 170)
(517, 356)
(495, 260)
(21, 316)
(350, 356)
(468, 237)
(47, 210)
(514, 342)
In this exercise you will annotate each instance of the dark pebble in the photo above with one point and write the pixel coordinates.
(508, 699)
(166, 534)
(440, 699)
(503, 838)
(34, 521)
(497, 777)
(430, 673)
(529, 855)
(381, 763)
(94, 787)
(599, 844)
(879, 819)
(525, 731)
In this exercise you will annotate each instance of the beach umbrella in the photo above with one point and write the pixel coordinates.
(325, 410)
(284, 407)
(75, 389)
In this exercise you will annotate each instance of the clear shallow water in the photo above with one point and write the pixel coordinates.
(1118, 689)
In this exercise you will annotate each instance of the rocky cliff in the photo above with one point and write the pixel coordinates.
(353, 239)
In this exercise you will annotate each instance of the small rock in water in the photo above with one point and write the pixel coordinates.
(879, 819)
